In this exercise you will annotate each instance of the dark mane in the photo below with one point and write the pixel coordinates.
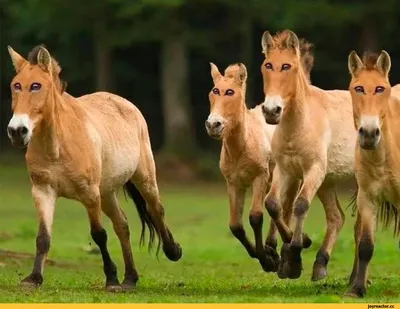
(306, 54)
(32, 58)
(369, 60)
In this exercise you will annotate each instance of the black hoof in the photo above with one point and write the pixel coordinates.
(173, 253)
(294, 264)
(128, 285)
(355, 292)
(32, 281)
(307, 242)
(282, 274)
(267, 263)
(274, 255)
(319, 272)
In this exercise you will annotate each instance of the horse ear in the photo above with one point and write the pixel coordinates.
(17, 60)
(44, 59)
(242, 74)
(383, 63)
(215, 74)
(292, 41)
(238, 72)
(354, 63)
(267, 42)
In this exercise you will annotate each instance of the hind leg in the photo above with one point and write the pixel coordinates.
(99, 236)
(146, 182)
(334, 222)
(110, 207)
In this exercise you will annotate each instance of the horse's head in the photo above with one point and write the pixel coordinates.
(370, 92)
(226, 99)
(31, 91)
(285, 59)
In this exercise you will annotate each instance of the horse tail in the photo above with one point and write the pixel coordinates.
(144, 215)
(387, 212)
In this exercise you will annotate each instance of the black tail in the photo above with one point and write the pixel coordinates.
(144, 215)
(386, 213)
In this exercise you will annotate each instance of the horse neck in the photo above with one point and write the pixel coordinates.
(234, 140)
(47, 139)
(296, 112)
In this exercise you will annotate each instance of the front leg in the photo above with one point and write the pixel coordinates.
(311, 182)
(256, 221)
(44, 198)
(236, 202)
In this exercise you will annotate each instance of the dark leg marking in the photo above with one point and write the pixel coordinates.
(319, 268)
(240, 234)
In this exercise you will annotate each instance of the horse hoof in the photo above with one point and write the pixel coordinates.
(319, 272)
(32, 281)
(307, 242)
(128, 285)
(294, 270)
(282, 270)
(113, 288)
(354, 293)
(267, 263)
(173, 253)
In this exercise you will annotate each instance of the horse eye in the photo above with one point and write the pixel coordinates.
(379, 89)
(268, 66)
(35, 87)
(215, 91)
(17, 86)
(286, 67)
(230, 92)
(359, 89)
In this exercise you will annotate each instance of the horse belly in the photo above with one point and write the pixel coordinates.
(118, 167)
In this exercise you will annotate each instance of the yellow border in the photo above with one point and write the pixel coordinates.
(207, 306)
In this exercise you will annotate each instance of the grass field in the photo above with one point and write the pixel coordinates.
(214, 266)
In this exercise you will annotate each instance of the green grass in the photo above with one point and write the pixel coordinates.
(214, 266)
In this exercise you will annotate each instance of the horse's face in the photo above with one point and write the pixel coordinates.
(226, 99)
(279, 70)
(370, 92)
(30, 89)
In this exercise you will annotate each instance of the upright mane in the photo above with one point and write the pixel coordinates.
(33, 60)
(369, 60)
(306, 54)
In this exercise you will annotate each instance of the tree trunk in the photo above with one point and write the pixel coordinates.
(369, 36)
(247, 56)
(102, 54)
(179, 137)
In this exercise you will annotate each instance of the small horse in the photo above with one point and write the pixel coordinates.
(313, 147)
(245, 157)
(84, 149)
(376, 110)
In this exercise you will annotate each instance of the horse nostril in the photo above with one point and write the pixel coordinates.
(22, 131)
(11, 131)
(278, 110)
(377, 132)
(361, 131)
(207, 124)
(217, 124)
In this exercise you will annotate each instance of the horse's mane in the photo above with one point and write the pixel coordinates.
(369, 60)
(33, 60)
(306, 54)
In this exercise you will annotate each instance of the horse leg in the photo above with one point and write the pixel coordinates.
(44, 198)
(357, 231)
(99, 236)
(110, 207)
(256, 221)
(236, 203)
(311, 182)
(334, 222)
(367, 214)
(145, 180)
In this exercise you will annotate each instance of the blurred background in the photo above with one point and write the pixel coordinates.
(155, 53)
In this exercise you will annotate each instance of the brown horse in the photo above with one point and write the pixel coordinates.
(84, 149)
(376, 110)
(245, 157)
(313, 147)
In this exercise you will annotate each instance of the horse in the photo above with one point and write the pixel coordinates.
(376, 113)
(245, 158)
(313, 147)
(84, 149)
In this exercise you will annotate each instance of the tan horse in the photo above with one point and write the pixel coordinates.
(376, 109)
(84, 149)
(245, 158)
(313, 147)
